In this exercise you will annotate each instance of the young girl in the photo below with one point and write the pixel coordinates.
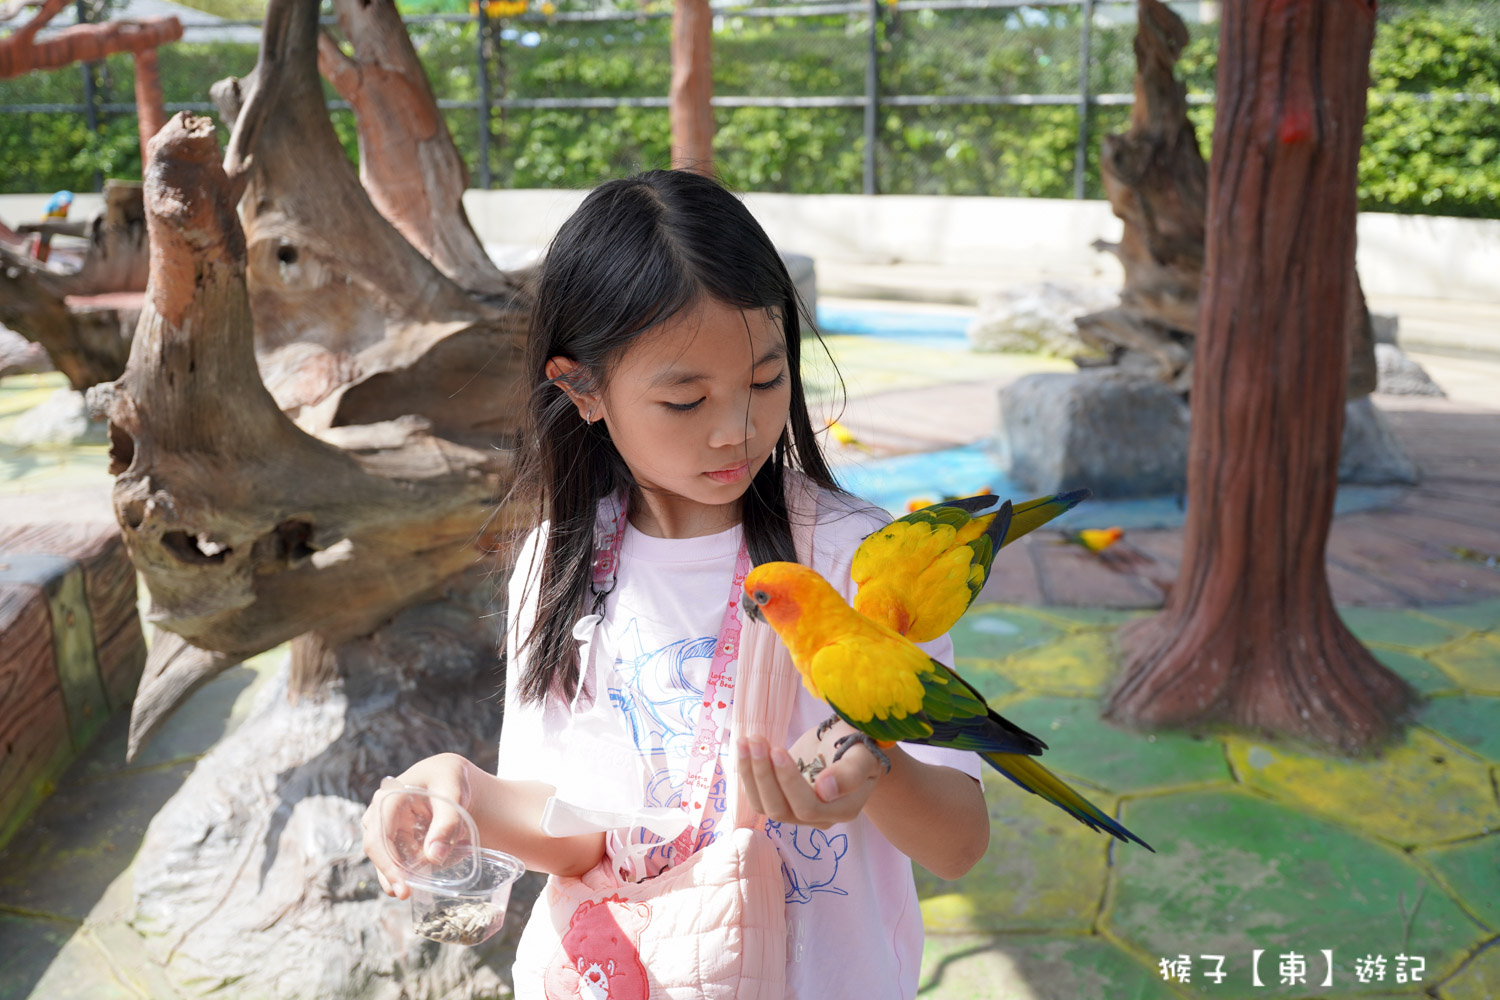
(667, 417)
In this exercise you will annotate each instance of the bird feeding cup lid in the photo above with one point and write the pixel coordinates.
(407, 813)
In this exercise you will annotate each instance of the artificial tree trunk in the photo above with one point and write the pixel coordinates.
(22, 52)
(407, 161)
(1156, 182)
(1249, 635)
(305, 444)
(692, 90)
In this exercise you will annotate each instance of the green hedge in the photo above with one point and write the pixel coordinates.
(1434, 155)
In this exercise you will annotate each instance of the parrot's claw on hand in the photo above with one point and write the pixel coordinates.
(842, 746)
(826, 725)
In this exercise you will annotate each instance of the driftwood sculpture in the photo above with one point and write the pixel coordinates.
(84, 319)
(309, 442)
(1157, 183)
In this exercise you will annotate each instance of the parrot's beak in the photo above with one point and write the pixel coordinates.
(751, 608)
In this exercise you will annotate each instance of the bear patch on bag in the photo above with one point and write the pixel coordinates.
(598, 956)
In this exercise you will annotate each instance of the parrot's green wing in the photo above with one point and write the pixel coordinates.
(953, 715)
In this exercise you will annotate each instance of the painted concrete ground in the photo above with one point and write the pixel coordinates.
(1260, 845)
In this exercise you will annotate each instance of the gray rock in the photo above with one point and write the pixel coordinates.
(19, 356)
(1118, 433)
(1036, 319)
(58, 421)
(1400, 375)
(804, 276)
(1126, 435)
(1385, 327)
(1371, 455)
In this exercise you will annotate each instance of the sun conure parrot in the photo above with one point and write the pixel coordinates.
(890, 691)
(920, 573)
(1096, 540)
(845, 436)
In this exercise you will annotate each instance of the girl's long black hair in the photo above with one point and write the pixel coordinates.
(637, 252)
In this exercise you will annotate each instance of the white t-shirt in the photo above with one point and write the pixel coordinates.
(854, 926)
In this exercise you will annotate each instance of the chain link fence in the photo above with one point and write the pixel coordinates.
(956, 97)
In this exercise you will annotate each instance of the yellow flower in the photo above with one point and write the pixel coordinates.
(505, 8)
(549, 8)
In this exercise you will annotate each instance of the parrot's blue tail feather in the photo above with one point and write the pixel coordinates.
(1032, 776)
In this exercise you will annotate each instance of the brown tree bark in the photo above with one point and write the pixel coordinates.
(21, 52)
(1157, 183)
(692, 90)
(408, 163)
(1249, 635)
(150, 109)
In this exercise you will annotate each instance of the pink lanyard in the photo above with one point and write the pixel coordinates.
(705, 768)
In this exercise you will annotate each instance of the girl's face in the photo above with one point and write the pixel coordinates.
(695, 408)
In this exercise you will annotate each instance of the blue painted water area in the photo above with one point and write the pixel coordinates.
(893, 482)
(940, 330)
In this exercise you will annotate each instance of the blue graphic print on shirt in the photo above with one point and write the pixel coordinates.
(660, 693)
(814, 866)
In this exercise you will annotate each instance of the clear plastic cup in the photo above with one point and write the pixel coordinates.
(460, 896)
(466, 916)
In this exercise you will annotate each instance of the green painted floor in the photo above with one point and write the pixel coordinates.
(1392, 865)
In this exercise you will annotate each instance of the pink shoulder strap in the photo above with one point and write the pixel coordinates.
(767, 680)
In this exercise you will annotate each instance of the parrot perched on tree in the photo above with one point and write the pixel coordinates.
(56, 208)
(890, 691)
(920, 573)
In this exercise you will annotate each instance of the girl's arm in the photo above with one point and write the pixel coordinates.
(507, 813)
(934, 815)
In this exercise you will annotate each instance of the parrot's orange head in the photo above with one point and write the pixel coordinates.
(775, 591)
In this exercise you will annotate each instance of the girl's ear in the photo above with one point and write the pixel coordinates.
(565, 373)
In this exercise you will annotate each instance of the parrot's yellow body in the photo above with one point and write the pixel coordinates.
(876, 680)
(920, 573)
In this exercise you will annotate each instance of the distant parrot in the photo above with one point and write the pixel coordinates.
(1096, 540)
(890, 691)
(58, 205)
(845, 436)
(920, 573)
(56, 208)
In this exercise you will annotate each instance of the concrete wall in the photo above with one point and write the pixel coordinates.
(1399, 255)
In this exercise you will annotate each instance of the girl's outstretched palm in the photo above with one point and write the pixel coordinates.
(779, 789)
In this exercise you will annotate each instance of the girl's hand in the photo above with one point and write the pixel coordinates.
(777, 788)
(446, 774)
